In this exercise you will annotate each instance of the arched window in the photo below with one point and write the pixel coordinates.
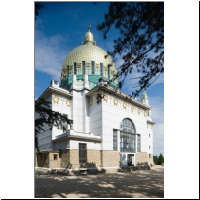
(127, 126)
(127, 136)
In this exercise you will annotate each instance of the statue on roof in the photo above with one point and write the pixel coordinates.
(144, 98)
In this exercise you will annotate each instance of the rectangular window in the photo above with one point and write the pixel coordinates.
(149, 135)
(82, 153)
(114, 140)
(92, 67)
(55, 156)
(101, 69)
(74, 68)
(109, 71)
(83, 67)
(149, 147)
(67, 70)
(138, 143)
(149, 155)
(127, 142)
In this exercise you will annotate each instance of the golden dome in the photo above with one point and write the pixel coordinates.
(88, 52)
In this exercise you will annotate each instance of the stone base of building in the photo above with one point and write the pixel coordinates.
(103, 160)
(142, 158)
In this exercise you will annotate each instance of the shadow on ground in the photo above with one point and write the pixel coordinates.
(136, 184)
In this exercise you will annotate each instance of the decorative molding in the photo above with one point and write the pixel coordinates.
(124, 105)
(68, 103)
(87, 64)
(78, 65)
(97, 65)
(105, 97)
(55, 99)
(115, 101)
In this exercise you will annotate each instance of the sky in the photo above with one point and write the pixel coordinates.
(60, 27)
(18, 83)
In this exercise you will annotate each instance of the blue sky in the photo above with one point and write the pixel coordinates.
(60, 27)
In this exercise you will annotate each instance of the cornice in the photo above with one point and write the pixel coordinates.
(117, 93)
(74, 137)
(60, 91)
(150, 122)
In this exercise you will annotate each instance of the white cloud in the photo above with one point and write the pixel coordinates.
(49, 54)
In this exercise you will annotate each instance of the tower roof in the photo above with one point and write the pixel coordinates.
(89, 39)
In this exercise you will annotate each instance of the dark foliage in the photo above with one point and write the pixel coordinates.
(158, 160)
(141, 40)
(155, 159)
(37, 8)
(47, 117)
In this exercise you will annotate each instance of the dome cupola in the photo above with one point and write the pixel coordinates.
(89, 39)
(88, 59)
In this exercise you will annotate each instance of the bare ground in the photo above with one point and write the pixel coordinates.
(136, 184)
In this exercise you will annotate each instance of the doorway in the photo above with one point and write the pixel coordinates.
(130, 159)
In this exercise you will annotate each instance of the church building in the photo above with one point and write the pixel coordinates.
(110, 129)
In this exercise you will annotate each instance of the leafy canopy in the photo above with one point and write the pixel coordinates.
(141, 40)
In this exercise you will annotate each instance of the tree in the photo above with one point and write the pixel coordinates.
(48, 117)
(37, 8)
(141, 40)
(155, 159)
(160, 159)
